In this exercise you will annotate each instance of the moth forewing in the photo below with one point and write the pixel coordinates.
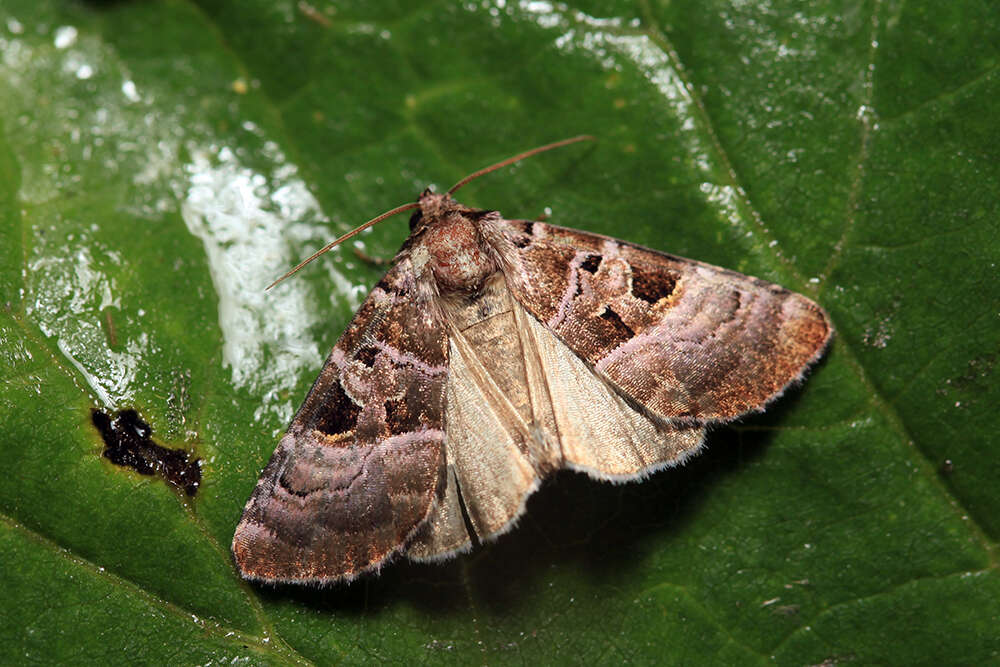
(493, 353)
(362, 465)
(687, 341)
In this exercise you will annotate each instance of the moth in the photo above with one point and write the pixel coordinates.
(493, 353)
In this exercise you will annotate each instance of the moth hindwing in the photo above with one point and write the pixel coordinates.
(493, 353)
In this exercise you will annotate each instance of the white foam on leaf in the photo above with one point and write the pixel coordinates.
(246, 222)
(155, 156)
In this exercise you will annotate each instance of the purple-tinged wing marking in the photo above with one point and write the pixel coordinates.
(363, 463)
(685, 340)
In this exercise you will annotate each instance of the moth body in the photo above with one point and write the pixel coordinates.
(493, 353)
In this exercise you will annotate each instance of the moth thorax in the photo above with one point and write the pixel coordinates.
(458, 256)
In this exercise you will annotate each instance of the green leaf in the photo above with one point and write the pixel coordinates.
(161, 162)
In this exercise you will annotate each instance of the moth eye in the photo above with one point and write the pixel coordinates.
(415, 219)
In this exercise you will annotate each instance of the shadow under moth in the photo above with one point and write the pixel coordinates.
(493, 353)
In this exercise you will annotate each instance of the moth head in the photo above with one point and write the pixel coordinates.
(432, 205)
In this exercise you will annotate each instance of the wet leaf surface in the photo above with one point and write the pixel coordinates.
(161, 162)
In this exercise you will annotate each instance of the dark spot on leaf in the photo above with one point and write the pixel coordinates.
(651, 286)
(590, 263)
(623, 331)
(127, 443)
(978, 375)
(366, 355)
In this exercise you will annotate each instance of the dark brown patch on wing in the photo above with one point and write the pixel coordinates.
(590, 263)
(526, 227)
(521, 232)
(336, 413)
(652, 284)
(477, 214)
(128, 443)
(550, 277)
(294, 486)
(388, 286)
(331, 508)
(621, 331)
(410, 412)
(366, 355)
(353, 336)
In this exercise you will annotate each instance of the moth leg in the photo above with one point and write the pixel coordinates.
(371, 259)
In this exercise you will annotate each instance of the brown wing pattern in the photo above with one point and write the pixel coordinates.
(685, 340)
(362, 464)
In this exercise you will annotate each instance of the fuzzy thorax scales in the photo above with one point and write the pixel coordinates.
(458, 257)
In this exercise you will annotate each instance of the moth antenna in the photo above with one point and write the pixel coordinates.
(354, 232)
(407, 207)
(518, 158)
